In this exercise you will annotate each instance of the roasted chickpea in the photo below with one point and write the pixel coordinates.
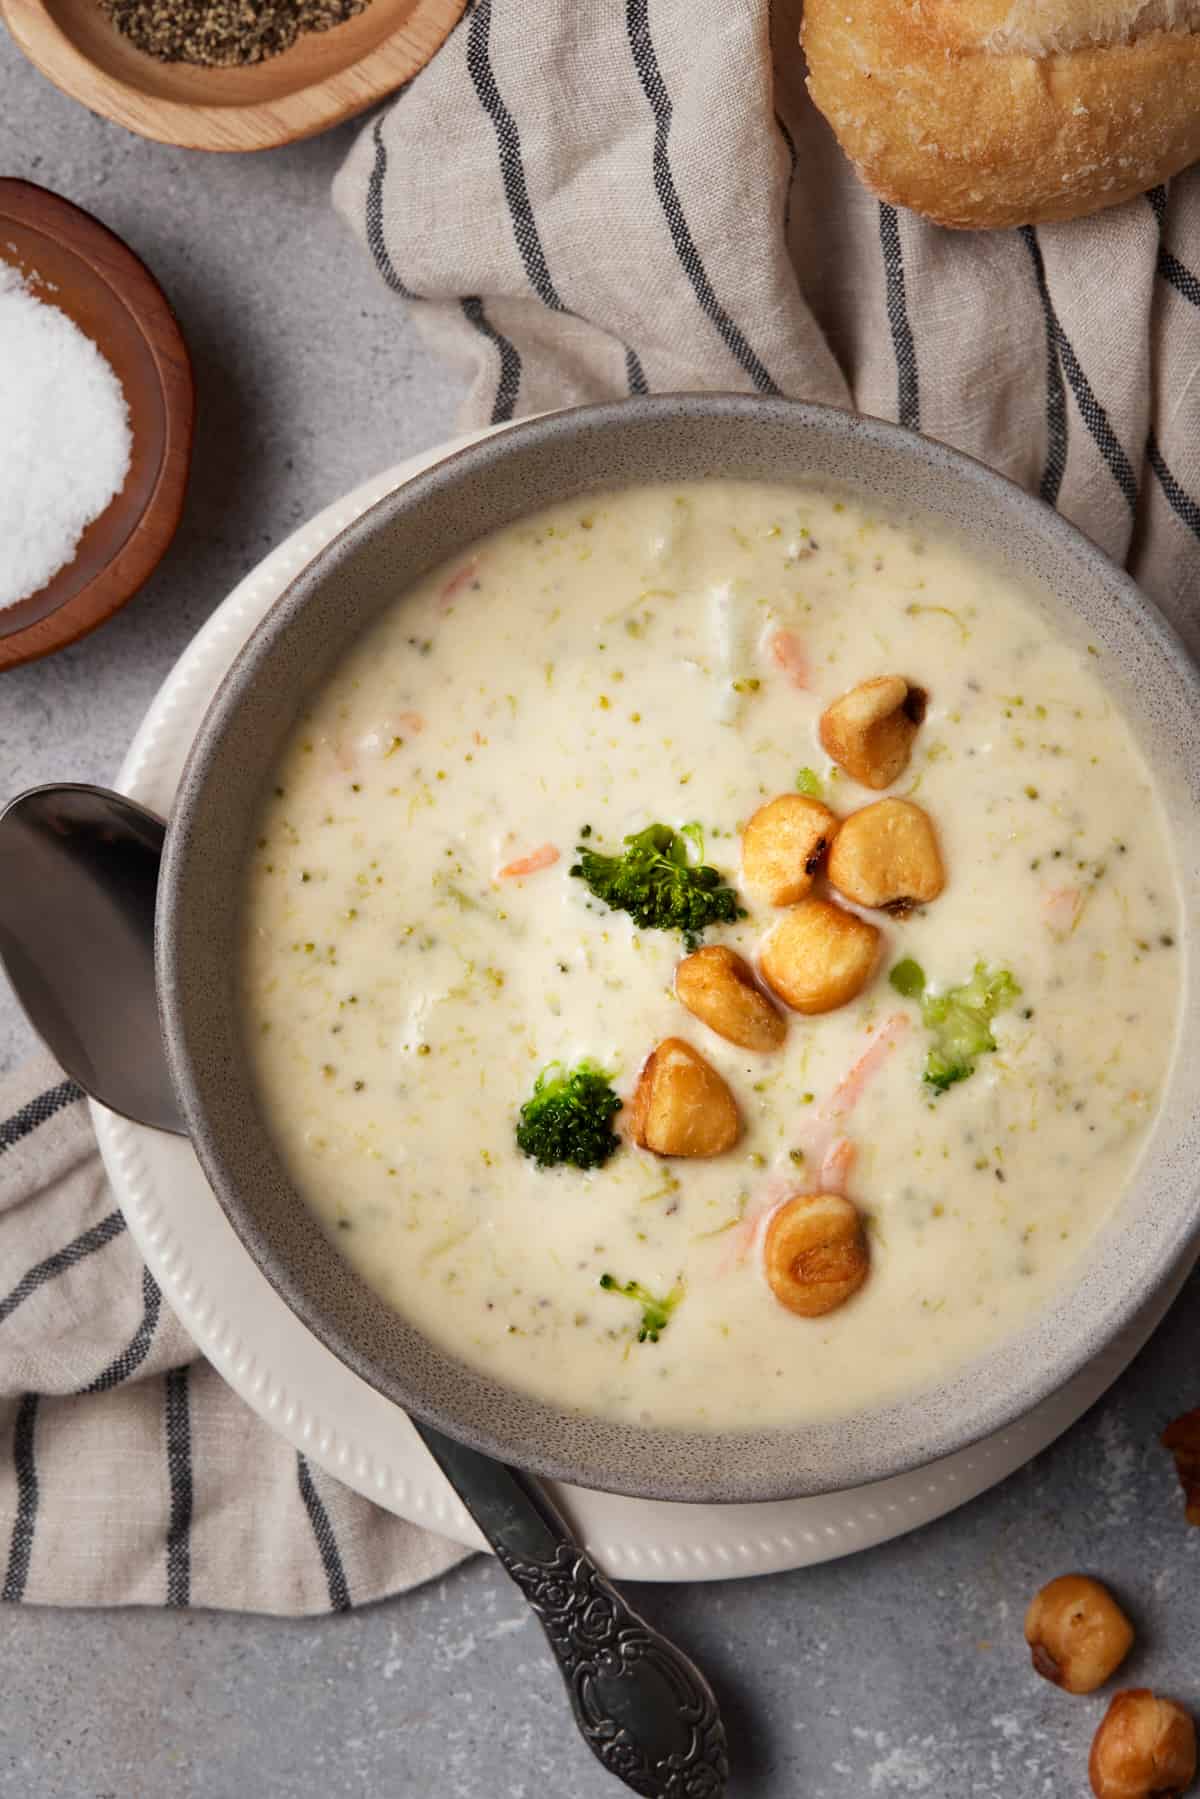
(1078, 1634)
(782, 847)
(819, 956)
(887, 856)
(681, 1106)
(1145, 1745)
(718, 987)
(815, 1253)
(870, 730)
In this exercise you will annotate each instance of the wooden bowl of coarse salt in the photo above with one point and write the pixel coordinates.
(96, 410)
(227, 74)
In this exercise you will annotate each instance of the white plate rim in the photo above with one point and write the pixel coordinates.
(327, 1411)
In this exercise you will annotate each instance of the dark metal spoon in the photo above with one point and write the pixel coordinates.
(78, 877)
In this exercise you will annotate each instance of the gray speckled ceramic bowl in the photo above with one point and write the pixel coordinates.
(435, 516)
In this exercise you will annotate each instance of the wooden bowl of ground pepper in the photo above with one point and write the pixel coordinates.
(229, 74)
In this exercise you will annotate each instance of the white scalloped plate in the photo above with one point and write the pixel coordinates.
(303, 1391)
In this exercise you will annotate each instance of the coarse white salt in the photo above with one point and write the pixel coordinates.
(64, 437)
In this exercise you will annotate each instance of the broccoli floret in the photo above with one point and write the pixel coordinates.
(566, 1118)
(656, 1313)
(662, 880)
(958, 1020)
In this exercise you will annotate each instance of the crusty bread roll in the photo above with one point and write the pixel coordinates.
(1008, 112)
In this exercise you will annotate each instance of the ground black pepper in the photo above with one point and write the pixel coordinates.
(223, 33)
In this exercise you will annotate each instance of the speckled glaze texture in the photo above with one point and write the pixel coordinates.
(663, 438)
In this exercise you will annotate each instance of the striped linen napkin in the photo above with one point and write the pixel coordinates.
(593, 198)
(583, 200)
(130, 1474)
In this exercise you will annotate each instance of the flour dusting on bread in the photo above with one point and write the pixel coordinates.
(993, 113)
(1056, 27)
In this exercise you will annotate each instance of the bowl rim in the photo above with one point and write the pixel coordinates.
(135, 290)
(909, 1433)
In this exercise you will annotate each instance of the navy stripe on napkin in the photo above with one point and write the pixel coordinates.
(635, 374)
(508, 386)
(179, 1474)
(326, 1540)
(86, 1244)
(1179, 277)
(1172, 271)
(376, 242)
(793, 165)
(645, 61)
(908, 391)
(25, 1524)
(127, 1363)
(1055, 466)
(1180, 502)
(512, 167)
(39, 1111)
(1090, 410)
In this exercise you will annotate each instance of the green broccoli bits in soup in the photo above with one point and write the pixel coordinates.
(958, 1019)
(656, 1313)
(506, 956)
(567, 1118)
(960, 1023)
(662, 881)
(908, 978)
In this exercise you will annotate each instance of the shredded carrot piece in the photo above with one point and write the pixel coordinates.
(412, 722)
(788, 653)
(829, 1156)
(458, 581)
(837, 1165)
(775, 1190)
(545, 857)
(849, 1089)
(1062, 908)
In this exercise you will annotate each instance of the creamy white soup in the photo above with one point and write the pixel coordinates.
(418, 950)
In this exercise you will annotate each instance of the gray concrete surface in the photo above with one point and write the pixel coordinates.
(309, 378)
(899, 1672)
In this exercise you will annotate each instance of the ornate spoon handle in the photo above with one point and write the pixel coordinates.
(642, 1707)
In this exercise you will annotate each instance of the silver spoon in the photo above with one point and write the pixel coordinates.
(78, 878)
